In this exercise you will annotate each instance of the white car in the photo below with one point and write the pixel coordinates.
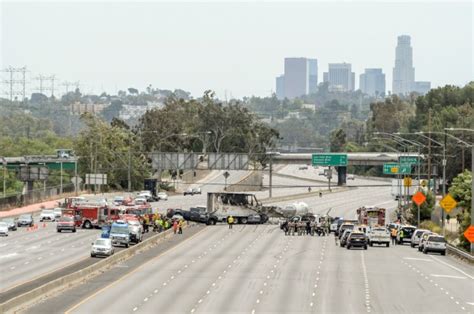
(102, 247)
(350, 177)
(3, 229)
(379, 235)
(435, 243)
(58, 212)
(415, 238)
(140, 201)
(47, 214)
(162, 196)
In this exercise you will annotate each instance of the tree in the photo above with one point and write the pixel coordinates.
(338, 140)
(133, 91)
(460, 190)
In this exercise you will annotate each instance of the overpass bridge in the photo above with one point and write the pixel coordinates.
(354, 159)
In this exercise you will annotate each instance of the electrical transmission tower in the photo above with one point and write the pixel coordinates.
(46, 83)
(16, 82)
(67, 84)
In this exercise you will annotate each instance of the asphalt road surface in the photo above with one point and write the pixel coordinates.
(257, 269)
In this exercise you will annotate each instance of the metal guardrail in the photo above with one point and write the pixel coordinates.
(460, 253)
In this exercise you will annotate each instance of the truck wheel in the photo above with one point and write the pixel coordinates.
(126, 245)
(387, 244)
(371, 243)
(74, 230)
(87, 224)
(212, 222)
(365, 247)
(348, 247)
(59, 231)
(243, 220)
(443, 253)
(425, 251)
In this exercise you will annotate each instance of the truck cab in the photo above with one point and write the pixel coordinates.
(120, 233)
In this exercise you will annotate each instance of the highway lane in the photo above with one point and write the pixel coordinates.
(26, 254)
(257, 269)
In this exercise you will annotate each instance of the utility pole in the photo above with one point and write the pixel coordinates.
(42, 88)
(429, 150)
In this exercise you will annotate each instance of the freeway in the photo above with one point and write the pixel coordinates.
(254, 269)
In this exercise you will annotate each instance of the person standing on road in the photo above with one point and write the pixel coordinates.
(175, 226)
(230, 221)
(393, 235)
(180, 226)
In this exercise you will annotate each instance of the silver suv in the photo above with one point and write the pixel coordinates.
(435, 243)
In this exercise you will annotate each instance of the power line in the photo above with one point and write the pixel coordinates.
(46, 83)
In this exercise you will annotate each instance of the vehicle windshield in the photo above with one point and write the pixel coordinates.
(66, 219)
(437, 239)
(47, 211)
(25, 217)
(8, 220)
(379, 230)
(101, 242)
(122, 229)
(408, 232)
(419, 233)
(134, 222)
(347, 227)
(3, 224)
(357, 235)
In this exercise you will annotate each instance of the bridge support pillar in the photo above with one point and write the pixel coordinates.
(341, 175)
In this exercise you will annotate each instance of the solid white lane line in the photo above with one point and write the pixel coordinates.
(453, 267)
(447, 276)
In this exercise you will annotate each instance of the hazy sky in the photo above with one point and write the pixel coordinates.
(230, 47)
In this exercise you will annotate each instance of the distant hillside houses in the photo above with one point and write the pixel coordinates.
(131, 112)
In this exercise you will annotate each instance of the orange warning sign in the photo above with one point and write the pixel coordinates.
(419, 198)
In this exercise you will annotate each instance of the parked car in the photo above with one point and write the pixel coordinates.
(3, 229)
(188, 192)
(350, 177)
(140, 201)
(47, 214)
(415, 238)
(196, 190)
(25, 220)
(11, 222)
(136, 231)
(102, 247)
(379, 235)
(343, 227)
(356, 239)
(435, 243)
(119, 200)
(344, 237)
(162, 196)
(423, 239)
(404, 234)
(66, 223)
(58, 212)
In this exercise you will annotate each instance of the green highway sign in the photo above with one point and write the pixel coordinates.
(408, 159)
(395, 168)
(329, 160)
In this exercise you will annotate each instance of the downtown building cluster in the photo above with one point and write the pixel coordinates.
(301, 76)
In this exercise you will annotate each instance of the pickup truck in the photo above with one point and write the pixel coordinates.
(120, 234)
(379, 236)
(196, 214)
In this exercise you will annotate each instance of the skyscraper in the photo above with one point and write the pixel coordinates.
(280, 87)
(403, 72)
(372, 82)
(312, 76)
(422, 87)
(340, 77)
(300, 78)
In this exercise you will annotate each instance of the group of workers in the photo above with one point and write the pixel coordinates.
(161, 223)
(309, 227)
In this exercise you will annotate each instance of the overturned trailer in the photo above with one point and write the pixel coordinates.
(243, 207)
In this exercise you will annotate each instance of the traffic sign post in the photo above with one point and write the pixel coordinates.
(408, 160)
(419, 198)
(469, 234)
(448, 203)
(327, 160)
(396, 168)
(407, 182)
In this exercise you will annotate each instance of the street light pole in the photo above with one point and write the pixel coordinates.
(472, 175)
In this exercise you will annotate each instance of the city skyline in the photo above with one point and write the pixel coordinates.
(139, 46)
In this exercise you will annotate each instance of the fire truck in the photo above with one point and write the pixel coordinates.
(90, 215)
(371, 216)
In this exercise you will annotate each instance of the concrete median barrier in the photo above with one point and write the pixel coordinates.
(17, 303)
